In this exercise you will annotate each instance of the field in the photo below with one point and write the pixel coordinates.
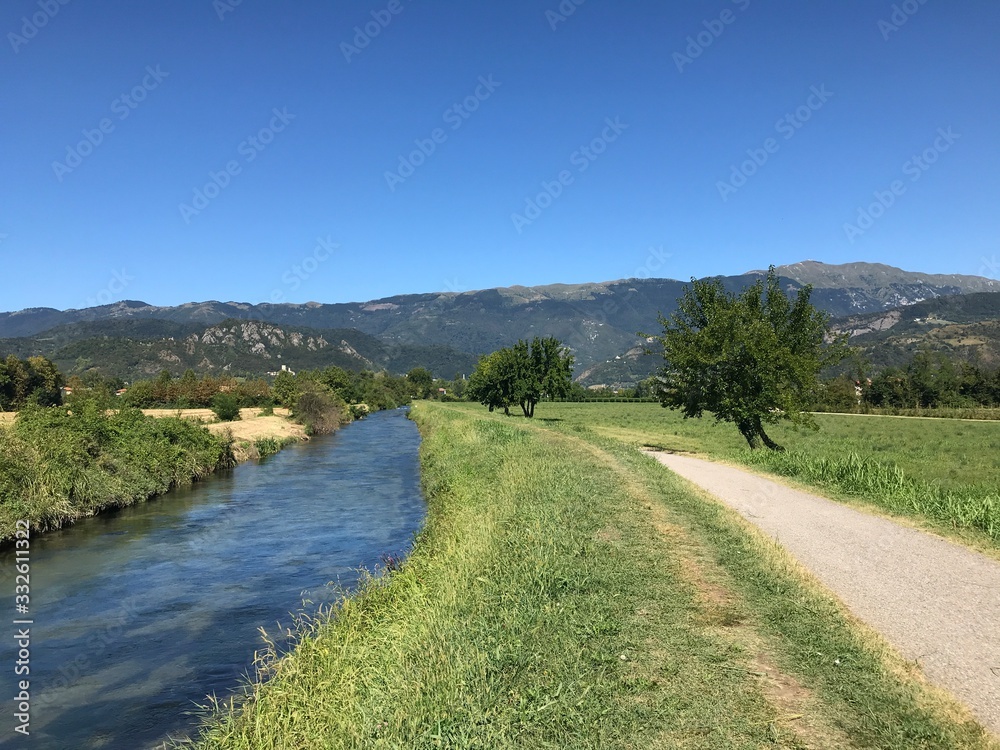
(942, 474)
(567, 592)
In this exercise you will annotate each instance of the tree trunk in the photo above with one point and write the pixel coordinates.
(763, 436)
(506, 411)
(747, 431)
(531, 408)
(524, 408)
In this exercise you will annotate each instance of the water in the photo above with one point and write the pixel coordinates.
(140, 614)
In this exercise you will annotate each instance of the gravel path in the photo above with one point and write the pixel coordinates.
(933, 600)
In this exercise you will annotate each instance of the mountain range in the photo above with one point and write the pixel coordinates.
(447, 331)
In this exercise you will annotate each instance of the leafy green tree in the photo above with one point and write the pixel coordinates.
(421, 382)
(891, 387)
(750, 359)
(495, 383)
(33, 380)
(285, 389)
(522, 374)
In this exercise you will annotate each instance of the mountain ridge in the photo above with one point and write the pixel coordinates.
(599, 321)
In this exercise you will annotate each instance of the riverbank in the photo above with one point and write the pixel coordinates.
(566, 591)
(58, 465)
(140, 614)
(255, 435)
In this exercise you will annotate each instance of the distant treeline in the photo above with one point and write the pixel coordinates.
(930, 381)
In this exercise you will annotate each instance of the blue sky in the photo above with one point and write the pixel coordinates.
(276, 151)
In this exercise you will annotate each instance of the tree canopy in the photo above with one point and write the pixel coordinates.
(750, 359)
(32, 380)
(522, 374)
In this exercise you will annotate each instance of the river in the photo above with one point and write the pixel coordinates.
(139, 614)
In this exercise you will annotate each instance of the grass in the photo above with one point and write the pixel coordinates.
(943, 473)
(567, 592)
(938, 412)
(58, 465)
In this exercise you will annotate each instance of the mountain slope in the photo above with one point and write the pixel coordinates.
(599, 321)
(965, 327)
(142, 348)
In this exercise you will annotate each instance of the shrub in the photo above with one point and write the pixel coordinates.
(319, 411)
(226, 407)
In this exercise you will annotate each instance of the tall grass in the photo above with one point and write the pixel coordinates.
(886, 485)
(944, 472)
(58, 464)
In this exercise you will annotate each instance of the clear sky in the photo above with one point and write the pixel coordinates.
(260, 150)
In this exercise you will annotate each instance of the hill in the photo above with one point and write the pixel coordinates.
(133, 349)
(599, 321)
(965, 327)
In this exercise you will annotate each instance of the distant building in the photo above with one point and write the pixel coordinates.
(284, 368)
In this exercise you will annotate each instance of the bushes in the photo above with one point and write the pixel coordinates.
(320, 411)
(226, 407)
(57, 465)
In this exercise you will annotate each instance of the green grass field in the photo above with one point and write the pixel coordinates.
(568, 592)
(943, 473)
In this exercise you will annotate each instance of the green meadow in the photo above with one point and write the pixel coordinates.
(944, 474)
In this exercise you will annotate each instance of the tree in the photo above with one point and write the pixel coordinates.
(421, 381)
(34, 380)
(285, 388)
(522, 374)
(494, 382)
(748, 359)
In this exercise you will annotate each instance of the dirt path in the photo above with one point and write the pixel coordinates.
(936, 602)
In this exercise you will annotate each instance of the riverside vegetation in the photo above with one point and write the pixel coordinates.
(62, 462)
(58, 465)
(567, 591)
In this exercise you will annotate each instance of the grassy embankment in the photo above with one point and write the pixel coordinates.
(942, 474)
(567, 592)
(58, 465)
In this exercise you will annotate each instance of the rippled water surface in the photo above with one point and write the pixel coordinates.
(140, 614)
